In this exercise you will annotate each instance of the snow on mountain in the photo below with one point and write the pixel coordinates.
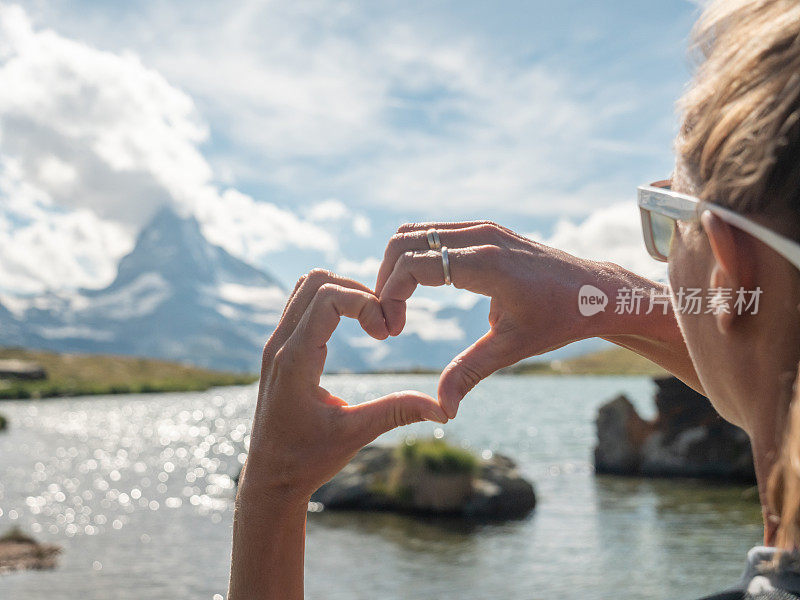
(176, 296)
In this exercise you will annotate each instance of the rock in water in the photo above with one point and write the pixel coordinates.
(687, 439)
(620, 435)
(20, 552)
(380, 478)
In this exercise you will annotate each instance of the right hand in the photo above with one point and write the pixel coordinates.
(534, 292)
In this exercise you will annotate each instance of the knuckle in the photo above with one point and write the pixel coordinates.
(398, 417)
(405, 259)
(407, 227)
(397, 241)
(267, 354)
(469, 376)
(481, 223)
(338, 428)
(493, 254)
(327, 290)
(318, 276)
(279, 359)
(490, 232)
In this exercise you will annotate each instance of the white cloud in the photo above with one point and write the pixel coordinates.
(421, 318)
(327, 97)
(362, 225)
(253, 229)
(40, 242)
(327, 210)
(610, 234)
(317, 99)
(334, 212)
(93, 144)
(365, 270)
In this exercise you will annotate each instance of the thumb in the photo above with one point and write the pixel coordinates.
(466, 370)
(374, 418)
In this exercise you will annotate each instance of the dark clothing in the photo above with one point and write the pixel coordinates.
(739, 595)
(764, 579)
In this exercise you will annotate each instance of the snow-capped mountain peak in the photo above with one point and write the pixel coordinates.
(175, 296)
(175, 248)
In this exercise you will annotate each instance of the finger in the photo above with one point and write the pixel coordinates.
(466, 370)
(477, 234)
(470, 268)
(367, 421)
(460, 225)
(447, 225)
(304, 292)
(330, 303)
(297, 286)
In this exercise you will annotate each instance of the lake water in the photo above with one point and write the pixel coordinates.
(137, 490)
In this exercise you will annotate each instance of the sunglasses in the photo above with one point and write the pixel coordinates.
(661, 209)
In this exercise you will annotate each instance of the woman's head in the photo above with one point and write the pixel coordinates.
(739, 147)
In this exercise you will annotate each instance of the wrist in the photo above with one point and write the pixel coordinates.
(651, 316)
(266, 506)
(259, 485)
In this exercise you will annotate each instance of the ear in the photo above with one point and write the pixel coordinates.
(734, 265)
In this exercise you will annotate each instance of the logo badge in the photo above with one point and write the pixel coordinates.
(591, 300)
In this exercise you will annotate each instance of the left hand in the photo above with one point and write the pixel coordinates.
(302, 434)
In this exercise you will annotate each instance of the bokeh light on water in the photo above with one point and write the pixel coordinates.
(96, 467)
(139, 492)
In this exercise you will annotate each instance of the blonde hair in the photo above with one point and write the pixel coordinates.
(738, 142)
(739, 146)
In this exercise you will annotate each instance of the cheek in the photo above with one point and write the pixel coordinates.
(688, 271)
(682, 278)
(684, 273)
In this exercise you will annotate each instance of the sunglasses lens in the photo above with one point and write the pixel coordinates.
(663, 232)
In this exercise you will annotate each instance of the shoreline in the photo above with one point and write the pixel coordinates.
(74, 375)
(155, 389)
(62, 375)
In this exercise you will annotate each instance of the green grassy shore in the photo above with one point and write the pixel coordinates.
(615, 361)
(88, 374)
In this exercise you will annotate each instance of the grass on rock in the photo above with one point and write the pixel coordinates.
(437, 456)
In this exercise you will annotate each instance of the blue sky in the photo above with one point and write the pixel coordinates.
(302, 134)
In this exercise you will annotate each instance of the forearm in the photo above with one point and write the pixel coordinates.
(655, 336)
(268, 545)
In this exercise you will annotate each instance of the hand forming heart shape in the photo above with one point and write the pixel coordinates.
(302, 435)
